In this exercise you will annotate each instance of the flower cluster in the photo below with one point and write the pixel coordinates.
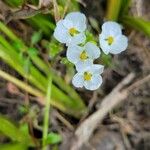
(71, 31)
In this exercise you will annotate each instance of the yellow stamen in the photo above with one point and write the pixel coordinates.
(73, 31)
(83, 56)
(87, 76)
(110, 40)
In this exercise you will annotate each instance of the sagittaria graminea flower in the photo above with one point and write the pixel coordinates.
(83, 56)
(88, 77)
(111, 39)
(71, 30)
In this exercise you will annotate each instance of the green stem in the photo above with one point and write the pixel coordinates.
(46, 114)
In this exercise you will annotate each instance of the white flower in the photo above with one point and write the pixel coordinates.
(111, 39)
(83, 56)
(71, 30)
(88, 77)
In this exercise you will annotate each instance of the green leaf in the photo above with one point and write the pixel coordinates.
(13, 146)
(11, 131)
(27, 64)
(53, 138)
(54, 48)
(32, 51)
(137, 23)
(106, 60)
(42, 22)
(24, 128)
(65, 61)
(90, 37)
(124, 7)
(14, 3)
(36, 37)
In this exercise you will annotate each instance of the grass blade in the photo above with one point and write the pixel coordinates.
(137, 23)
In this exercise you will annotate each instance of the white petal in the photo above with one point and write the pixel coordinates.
(92, 50)
(73, 53)
(112, 28)
(94, 83)
(67, 23)
(61, 33)
(119, 45)
(82, 65)
(78, 80)
(97, 69)
(78, 39)
(78, 19)
(104, 44)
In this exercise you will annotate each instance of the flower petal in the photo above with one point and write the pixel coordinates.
(94, 83)
(73, 53)
(61, 33)
(112, 28)
(77, 39)
(119, 45)
(103, 43)
(78, 19)
(78, 80)
(92, 50)
(67, 23)
(82, 65)
(97, 69)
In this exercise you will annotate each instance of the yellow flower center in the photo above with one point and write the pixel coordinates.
(110, 40)
(73, 31)
(87, 76)
(83, 56)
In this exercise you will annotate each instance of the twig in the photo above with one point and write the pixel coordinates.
(56, 11)
(124, 128)
(26, 12)
(64, 121)
(138, 83)
(85, 130)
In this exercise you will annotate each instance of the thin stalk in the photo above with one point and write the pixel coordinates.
(46, 114)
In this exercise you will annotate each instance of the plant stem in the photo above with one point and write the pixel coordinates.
(46, 114)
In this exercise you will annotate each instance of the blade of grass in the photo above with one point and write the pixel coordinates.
(113, 9)
(13, 59)
(13, 146)
(40, 63)
(11, 131)
(35, 77)
(62, 101)
(124, 7)
(22, 85)
(137, 23)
